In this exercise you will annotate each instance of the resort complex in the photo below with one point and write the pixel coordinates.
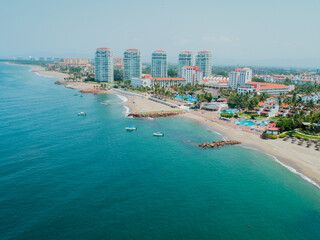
(253, 99)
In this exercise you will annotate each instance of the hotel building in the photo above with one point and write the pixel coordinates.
(239, 77)
(192, 75)
(75, 61)
(186, 58)
(132, 64)
(269, 88)
(148, 81)
(159, 65)
(204, 62)
(104, 65)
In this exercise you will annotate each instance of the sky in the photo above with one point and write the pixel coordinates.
(248, 32)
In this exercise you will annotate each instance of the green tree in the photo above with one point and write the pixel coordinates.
(118, 75)
(172, 72)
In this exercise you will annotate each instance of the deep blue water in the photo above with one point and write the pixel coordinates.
(69, 177)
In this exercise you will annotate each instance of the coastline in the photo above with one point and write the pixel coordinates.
(299, 160)
(42, 72)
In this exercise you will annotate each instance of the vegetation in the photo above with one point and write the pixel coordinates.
(118, 75)
(147, 70)
(246, 101)
(268, 136)
(172, 72)
(226, 115)
(255, 79)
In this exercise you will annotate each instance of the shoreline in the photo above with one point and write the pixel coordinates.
(299, 160)
(39, 70)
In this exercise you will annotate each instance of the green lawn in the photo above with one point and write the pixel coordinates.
(247, 116)
(306, 136)
(301, 135)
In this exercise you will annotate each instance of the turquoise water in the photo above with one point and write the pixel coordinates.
(232, 111)
(249, 123)
(69, 177)
(190, 99)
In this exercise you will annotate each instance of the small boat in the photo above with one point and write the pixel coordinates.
(82, 114)
(131, 128)
(158, 134)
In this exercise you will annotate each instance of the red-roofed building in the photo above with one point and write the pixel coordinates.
(272, 130)
(270, 88)
(148, 82)
(192, 75)
(186, 58)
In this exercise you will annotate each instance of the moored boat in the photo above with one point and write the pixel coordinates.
(82, 114)
(158, 134)
(131, 128)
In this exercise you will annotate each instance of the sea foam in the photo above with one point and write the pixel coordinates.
(291, 169)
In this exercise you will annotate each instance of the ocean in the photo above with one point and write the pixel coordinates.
(64, 176)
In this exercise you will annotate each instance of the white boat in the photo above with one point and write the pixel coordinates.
(82, 114)
(158, 134)
(131, 128)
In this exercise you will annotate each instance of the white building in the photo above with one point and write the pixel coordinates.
(245, 90)
(314, 97)
(140, 82)
(270, 88)
(192, 75)
(149, 81)
(104, 65)
(167, 81)
(159, 65)
(240, 77)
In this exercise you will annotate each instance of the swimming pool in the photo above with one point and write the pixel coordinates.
(249, 123)
(189, 99)
(232, 111)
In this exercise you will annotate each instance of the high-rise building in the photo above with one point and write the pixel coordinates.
(104, 65)
(204, 62)
(132, 64)
(159, 66)
(192, 75)
(186, 58)
(239, 77)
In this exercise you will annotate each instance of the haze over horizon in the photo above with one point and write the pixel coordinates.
(268, 33)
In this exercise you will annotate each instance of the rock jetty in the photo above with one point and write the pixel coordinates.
(218, 144)
(95, 91)
(154, 114)
(60, 82)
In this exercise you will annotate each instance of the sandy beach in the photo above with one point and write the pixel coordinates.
(298, 159)
(40, 70)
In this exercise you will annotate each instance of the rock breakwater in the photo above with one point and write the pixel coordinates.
(218, 144)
